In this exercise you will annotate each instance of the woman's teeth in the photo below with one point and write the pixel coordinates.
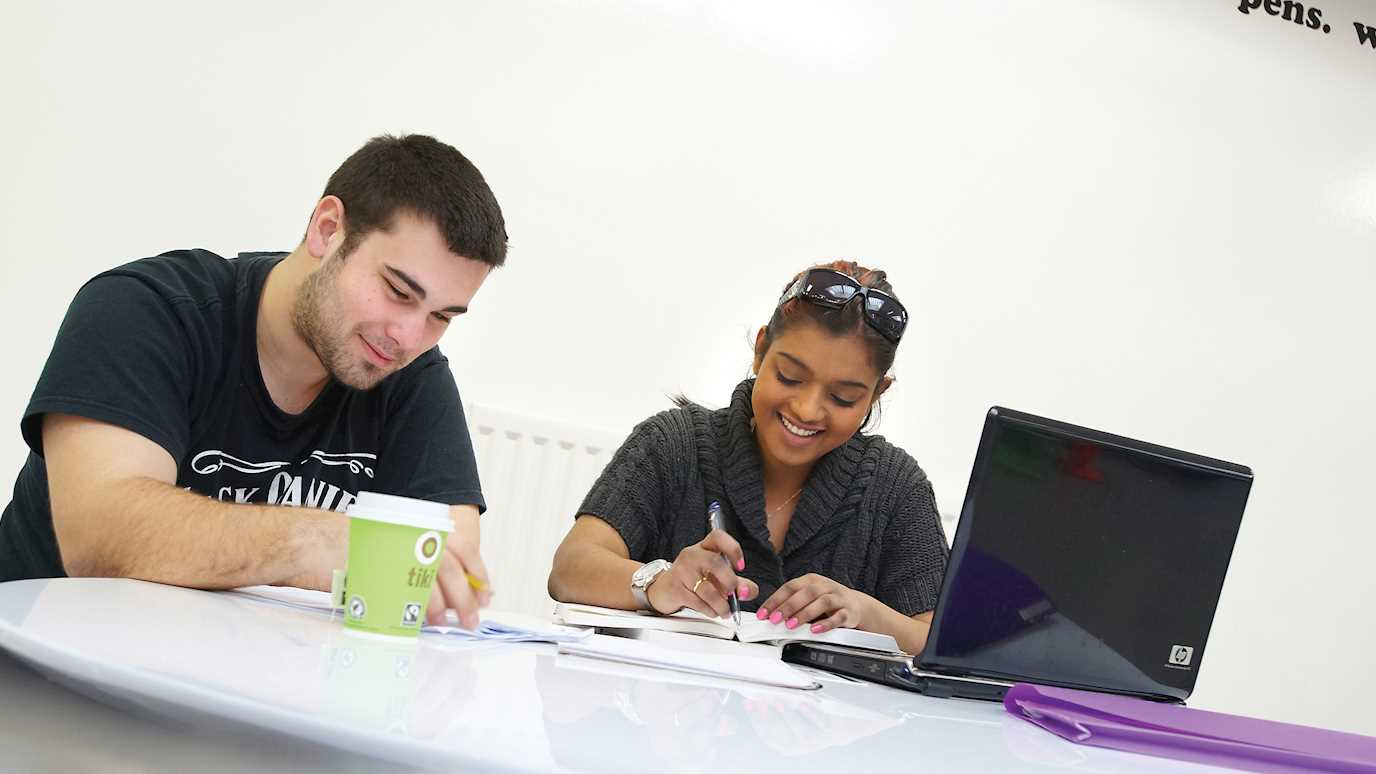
(798, 431)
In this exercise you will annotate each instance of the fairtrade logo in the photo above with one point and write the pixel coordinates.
(428, 547)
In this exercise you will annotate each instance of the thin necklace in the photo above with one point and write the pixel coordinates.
(781, 505)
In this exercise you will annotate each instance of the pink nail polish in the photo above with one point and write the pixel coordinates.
(740, 564)
(761, 614)
(816, 628)
(792, 623)
(777, 617)
(742, 590)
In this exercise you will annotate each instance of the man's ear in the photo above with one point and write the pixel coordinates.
(326, 227)
(759, 351)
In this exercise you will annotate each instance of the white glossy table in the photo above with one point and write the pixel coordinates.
(228, 683)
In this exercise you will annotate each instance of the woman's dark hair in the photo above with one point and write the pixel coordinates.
(422, 176)
(849, 319)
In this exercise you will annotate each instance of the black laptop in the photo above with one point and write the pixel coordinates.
(1082, 560)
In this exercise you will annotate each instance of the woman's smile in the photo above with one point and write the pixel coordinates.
(801, 432)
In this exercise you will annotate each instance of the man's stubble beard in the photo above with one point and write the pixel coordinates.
(316, 319)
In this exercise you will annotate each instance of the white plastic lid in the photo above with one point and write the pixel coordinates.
(423, 514)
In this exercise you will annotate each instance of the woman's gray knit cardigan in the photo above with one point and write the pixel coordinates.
(866, 517)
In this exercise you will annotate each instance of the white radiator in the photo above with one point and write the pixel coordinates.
(534, 475)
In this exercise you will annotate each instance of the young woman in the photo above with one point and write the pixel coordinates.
(825, 526)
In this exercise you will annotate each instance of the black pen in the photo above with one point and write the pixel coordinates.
(714, 521)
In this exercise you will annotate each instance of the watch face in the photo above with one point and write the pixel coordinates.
(646, 572)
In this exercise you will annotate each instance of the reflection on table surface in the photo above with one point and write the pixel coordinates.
(446, 702)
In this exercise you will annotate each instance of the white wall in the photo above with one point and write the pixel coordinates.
(1152, 218)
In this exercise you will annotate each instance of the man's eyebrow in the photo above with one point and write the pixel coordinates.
(420, 291)
(406, 278)
(802, 365)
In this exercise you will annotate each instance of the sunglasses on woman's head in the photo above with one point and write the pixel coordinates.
(831, 288)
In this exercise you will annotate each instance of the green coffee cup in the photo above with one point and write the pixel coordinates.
(396, 545)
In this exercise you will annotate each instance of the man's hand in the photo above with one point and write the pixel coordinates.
(701, 579)
(461, 560)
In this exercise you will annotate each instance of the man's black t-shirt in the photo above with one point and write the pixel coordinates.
(166, 347)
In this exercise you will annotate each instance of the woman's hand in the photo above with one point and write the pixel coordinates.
(817, 600)
(701, 579)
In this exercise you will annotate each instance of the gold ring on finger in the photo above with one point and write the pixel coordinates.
(699, 583)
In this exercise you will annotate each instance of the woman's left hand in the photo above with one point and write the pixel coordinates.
(818, 601)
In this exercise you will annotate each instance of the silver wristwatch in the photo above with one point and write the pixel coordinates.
(643, 577)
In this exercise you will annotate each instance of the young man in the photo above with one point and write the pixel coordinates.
(188, 397)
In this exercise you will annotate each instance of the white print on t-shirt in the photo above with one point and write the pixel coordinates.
(211, 460)
(352, 459)
(284, 488)
(218, 459)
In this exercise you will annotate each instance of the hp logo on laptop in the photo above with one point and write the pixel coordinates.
(1181, 655)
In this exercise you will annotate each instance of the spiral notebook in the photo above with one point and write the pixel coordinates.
(730, 667)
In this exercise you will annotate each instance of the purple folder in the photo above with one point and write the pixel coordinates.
(1171, 731)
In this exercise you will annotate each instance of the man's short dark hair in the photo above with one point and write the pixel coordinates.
(420, 175)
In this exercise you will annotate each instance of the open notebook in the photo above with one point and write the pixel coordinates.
(692, 622)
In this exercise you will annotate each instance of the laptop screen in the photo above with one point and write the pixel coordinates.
(1086, 560)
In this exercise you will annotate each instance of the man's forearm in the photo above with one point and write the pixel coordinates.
(147, 529)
